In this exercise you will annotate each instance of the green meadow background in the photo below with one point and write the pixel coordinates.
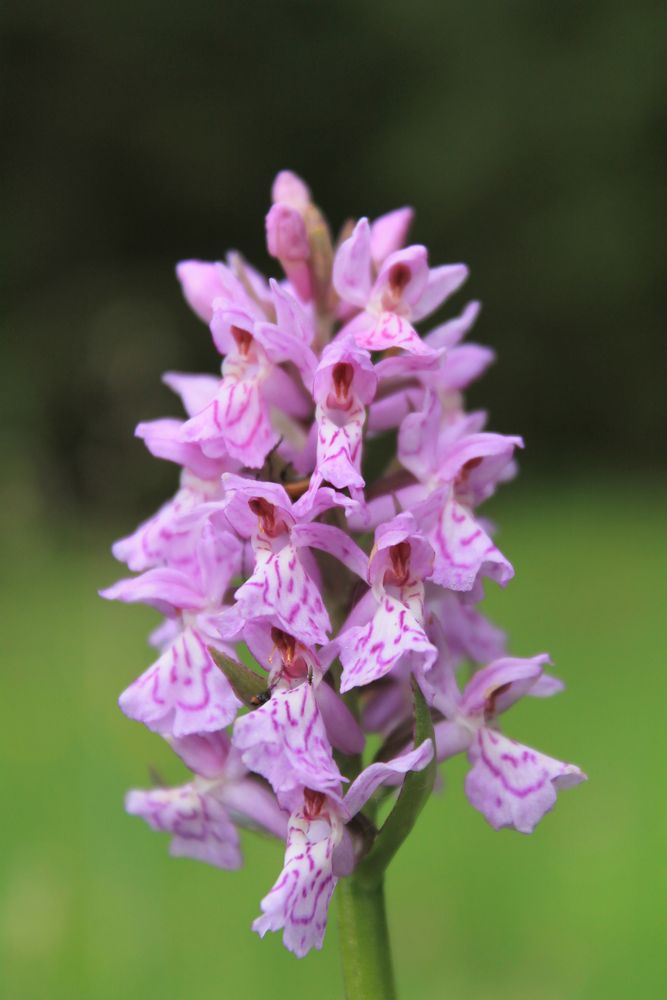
(530, 138)
(92, 906)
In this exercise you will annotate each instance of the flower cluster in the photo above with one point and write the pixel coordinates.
(321, 565)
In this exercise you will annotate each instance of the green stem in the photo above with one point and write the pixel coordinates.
(364, 940)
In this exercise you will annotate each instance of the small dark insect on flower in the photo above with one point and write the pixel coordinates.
(260, 699)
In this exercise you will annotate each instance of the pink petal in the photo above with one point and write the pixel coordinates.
(413, 265)
(343, 730)
(464, 365)
(198, 821)
(511, 784)
(236, 423)
(183, 692)
(204, 753)
(195, 391)
(164, 439)
(385, 331)
(201, 283)
(469, 634)
(375, 775)
(337, 543)
(442, 282)
(463, 550)
(166, 590)
(369, 652)
(285, 741)
(280, 587)
(170, 535)
(418, 438)
(289, 187)
(389, 232)
(352, 266)
(449, 334)
(516, 675)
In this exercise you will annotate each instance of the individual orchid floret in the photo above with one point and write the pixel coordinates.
(298, 903)
(285, 740)
(202, 814)
(510, 784)
(164, 438)
(287, 240)
(184, 692)
(237, 421)
(393, 630)
(456, 473)
(284, 584)
(170, 536)
(404, 292)
(345, 383)
(289, 664)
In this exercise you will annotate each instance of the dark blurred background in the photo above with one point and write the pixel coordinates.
(529, 137)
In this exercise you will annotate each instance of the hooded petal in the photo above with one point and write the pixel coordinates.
(361, 379)
(402, 279)
(495, 688)
(478, 462)
(512, 785)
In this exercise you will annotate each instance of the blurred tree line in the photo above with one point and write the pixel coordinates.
(528, 135)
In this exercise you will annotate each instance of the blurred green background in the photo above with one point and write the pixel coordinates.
(529, 136)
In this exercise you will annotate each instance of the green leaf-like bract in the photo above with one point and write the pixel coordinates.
(248, 686)
(416, 789)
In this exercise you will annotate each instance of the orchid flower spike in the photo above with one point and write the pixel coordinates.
(320, 568)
